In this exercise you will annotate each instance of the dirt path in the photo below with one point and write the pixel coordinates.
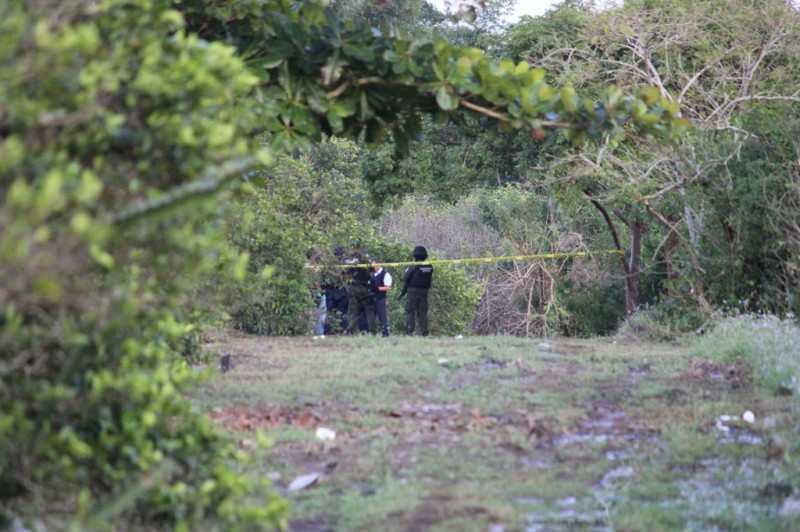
(504, 434)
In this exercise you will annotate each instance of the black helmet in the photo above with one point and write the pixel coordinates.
(338, 250)
(420, 253)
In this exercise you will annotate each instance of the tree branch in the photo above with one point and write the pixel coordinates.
(213, 180)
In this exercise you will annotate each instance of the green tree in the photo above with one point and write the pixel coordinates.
(320, 75)
(712, 193)
(698, 193)
(295, 216)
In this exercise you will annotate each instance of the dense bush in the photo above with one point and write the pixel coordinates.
(596, 311)
(664, 321)
(301, 206)
(112, 122)
(767, 344)
(275, 295)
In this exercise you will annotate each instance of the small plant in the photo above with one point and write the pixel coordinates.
(662, 322)
(770, 345)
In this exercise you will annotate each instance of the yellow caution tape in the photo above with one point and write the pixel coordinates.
(489, 259)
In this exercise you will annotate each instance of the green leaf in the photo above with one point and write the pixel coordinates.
(101, 257)
(438, 70)
(365, 110)
(335, 121)
(362, 53)
(568, 99)
(401, 142)
(48, 286)
(545, 93)
(463, 66)
(445, 100)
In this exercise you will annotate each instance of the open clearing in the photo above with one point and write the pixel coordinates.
(503, 433)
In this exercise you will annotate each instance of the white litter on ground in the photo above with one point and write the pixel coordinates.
(304, 481)
(326, 434)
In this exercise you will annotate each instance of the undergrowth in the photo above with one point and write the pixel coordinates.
(768, 344)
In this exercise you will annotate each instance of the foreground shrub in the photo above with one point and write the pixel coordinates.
(110, 424)
(112, 121)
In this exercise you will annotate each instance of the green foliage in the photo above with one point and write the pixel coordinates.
(390, 177)
(397, 14)
(453, 302)
(663, 321)
(116, 127)
(320, 75)
(592, 312)
(533, 38)
(304, 208)
(274, 297)
(768, 345)
(120, 422)
(750, 250)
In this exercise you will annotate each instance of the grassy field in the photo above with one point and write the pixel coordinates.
(502, 433)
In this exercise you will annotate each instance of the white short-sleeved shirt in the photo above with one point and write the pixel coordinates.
(387, 279)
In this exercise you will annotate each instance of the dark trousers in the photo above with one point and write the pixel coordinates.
(340, 313)
(417, 309)
(360, 300)
(383, 317)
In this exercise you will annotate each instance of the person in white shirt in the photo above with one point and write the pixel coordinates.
(380, 282)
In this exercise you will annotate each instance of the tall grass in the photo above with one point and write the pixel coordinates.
(768, 344)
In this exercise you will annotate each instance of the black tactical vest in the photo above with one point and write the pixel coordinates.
(359, 275)
(375, 282)
(422, 278)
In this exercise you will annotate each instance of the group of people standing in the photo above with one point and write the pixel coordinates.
(361, 303)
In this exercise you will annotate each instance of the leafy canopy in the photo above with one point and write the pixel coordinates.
(320, 75)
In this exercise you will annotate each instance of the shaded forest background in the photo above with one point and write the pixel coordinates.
(706, 224)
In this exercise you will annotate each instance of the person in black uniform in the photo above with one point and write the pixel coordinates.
(359, 298)
(417, 281)
(336, 299)
(380, 283)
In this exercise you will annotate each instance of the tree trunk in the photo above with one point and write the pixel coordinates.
(630, 267)
(632, 273)
(670, 245)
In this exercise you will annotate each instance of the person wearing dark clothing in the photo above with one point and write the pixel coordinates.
(336, 300)
(417, 280)
(380, 283)
(359, 298)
